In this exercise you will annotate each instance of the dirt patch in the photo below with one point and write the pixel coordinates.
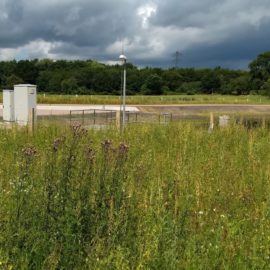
(206, 108)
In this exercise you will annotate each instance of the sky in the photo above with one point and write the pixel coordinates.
(207, 33)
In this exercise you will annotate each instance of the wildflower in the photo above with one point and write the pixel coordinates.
(222, 216)
(29, 151)
(106, 145)
(90, 154)
(123, 149)
(57, 142)
(200, 212)
(78, 130)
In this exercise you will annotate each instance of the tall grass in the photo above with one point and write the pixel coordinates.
(155, 197)
(140, 100)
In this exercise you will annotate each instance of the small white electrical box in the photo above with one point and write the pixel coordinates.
(8, 105)
(25, 103)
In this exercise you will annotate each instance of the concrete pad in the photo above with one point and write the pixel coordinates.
(62, 109)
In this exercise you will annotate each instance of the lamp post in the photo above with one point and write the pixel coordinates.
(123, 60)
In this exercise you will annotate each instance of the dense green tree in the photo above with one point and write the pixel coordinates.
(153, 85)
(134, 81)
(172, 79)
(44, 64)
(189, 74)
(260, 67)
(11, 81)
(240, 85)
(69, 85)
(54, 83)
(43, 80)
(88, 76)
(266, 87)
(27, 70)
(190, 88)
(210, 83)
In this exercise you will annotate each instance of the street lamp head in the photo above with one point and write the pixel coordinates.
(123, 58)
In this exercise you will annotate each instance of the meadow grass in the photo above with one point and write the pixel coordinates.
(154, 197)
(149, 100)
(140, 99)
(165, 99)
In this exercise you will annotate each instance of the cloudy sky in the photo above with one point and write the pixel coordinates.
(227, 33)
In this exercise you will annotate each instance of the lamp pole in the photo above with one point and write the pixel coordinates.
(123, 60)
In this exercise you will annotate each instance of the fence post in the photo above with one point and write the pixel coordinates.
(211, 124)
(83, 118)
(118, 119)
(94, 117)
(70, 117)
(263, 122)
(107, 117)
(31, 123)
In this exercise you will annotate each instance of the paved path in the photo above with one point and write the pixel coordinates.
(62, 109)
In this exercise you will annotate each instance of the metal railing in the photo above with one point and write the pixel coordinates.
(107, 117)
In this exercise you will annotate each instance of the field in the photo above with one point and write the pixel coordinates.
(154, 197)
(140, 100)
(144, 100)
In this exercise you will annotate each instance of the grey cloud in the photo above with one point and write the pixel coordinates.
(207, 32)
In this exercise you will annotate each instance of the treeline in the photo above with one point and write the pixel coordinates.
(91, 77)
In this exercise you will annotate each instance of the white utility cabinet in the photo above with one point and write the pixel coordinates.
(25, 103)
(8, 105)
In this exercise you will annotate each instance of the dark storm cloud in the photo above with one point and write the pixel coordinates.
(235, 52)
(235, 31)
(183, 13)
(207, 32)
(78, 22)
